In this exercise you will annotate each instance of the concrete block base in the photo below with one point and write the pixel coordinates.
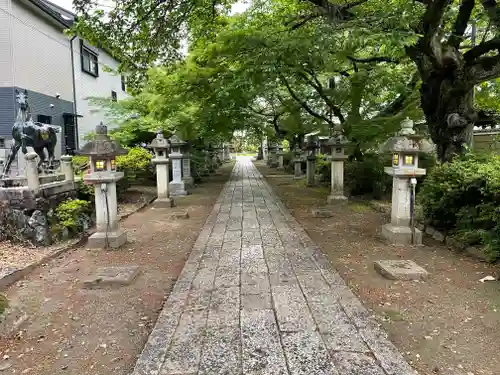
(400, 270)
(400, 235)
(177, 189)
(188, 181)
(336, 199)
(163, 203)
(113, 239)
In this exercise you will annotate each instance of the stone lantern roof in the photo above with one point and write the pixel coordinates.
(175, 141)
(311, 143)
(406, 141)
(159, 141)
(102, 145)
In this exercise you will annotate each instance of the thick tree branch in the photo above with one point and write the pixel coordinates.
(461, 23)
(318, 87)
(432, 19)
(375, 59)
(302, 103)
(481, 49)
(490, 6)
(484, 69)
(398, 104)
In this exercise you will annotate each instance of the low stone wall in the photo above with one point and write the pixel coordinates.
(26, 214)
(437, 235)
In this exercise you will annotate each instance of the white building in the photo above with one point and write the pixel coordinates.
(59, 72)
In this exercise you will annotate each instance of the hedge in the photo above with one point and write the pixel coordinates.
(462, 198)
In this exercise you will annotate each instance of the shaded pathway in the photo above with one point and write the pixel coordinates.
(256, 296)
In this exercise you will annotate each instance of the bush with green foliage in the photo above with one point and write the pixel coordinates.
(463, 199)
(68, 214)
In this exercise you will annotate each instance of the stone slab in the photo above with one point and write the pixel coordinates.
(256, 301)
(321, 213)
(349, 363)
(221, 352)
(306, 354)
(117, 276)
(400, 270)
(261, 348)
(178, 215)
(291, 309)
(111, 240)
(336, 199)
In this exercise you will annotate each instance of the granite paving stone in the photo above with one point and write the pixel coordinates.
(258, 297)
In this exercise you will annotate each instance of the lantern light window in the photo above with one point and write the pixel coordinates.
(100, 165)
(113, 165)
(395, 159)
(409, 160)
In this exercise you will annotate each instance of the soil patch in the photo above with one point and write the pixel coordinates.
(101, 331)
(447, 324)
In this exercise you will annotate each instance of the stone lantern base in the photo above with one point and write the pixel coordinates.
(336, 199)
(113, 240)
(163, 203)
(177, 189)
(401, 235)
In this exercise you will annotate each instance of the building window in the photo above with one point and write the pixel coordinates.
(124, 84)
(89, 61)
(114, 97)
(44, 119)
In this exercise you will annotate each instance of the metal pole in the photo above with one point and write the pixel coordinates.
(413, 184)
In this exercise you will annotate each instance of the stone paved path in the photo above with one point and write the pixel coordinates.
(257, 297)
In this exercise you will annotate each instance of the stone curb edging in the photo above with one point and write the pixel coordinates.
(449, 241)
(13, 275)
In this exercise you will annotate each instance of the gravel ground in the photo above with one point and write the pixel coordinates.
(72, 330)
(447, 325)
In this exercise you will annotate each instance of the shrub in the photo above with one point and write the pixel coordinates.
(323, 169)
(73, 214)
(136, 165)
(463, 198)
(367, 176)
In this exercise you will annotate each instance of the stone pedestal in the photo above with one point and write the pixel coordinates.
(297, 164)
(176, 186)
(311, 170)
(32, 171)
(163, 200)
(281, 165)
(337, 183)
(108, 233)
(186, 170)
(67, 167)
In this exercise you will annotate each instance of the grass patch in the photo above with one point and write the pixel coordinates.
(4, 303)
(359, 207)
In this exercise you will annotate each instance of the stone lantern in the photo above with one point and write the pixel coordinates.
(337, 143)
(160, 148)
(103, 175)
(311, 146)
(209, 157)
(404, 148)
(272, 158)
(176, 186)
(186, 167)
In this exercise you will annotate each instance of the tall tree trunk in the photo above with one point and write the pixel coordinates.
(447, 100)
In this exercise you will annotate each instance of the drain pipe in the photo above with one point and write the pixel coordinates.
(413, 184)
